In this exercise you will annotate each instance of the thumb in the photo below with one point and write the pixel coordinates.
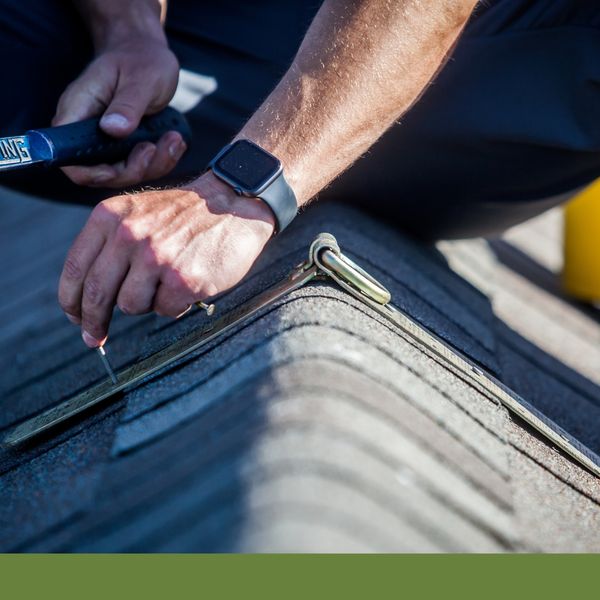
(128, 106)
(81, 100)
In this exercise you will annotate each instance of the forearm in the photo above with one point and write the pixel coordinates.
(112, 21)
(360, 67)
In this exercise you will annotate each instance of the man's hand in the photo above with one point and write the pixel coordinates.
(361, 65)
(161, 251)
(134, 74)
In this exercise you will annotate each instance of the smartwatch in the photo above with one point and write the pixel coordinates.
(256, 173)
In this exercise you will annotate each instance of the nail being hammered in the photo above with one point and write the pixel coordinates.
(209, 308)
(107, 365)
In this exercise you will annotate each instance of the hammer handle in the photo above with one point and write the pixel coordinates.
(84, 143)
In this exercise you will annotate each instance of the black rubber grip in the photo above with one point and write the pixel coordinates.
(84, 143)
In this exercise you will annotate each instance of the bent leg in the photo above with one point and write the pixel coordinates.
(509, 127)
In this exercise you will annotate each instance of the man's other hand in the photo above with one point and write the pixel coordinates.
(127, 80)
(162, 251)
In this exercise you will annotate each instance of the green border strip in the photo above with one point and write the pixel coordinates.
(172, 576)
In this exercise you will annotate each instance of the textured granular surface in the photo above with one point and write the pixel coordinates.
(315, 426)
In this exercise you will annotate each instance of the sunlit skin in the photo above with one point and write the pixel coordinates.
(207, 241)
(360, 67)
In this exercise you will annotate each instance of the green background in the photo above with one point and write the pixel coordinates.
(307, 576)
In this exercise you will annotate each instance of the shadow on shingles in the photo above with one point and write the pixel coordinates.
(178, 464)
(558, 391)
(521, 263)
(562, 394)
(53, 480)
(201, 466)
(194, 480)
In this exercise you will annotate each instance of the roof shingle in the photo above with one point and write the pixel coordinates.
(312, 427)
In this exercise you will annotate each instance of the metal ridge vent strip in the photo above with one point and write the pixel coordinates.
(325, 261)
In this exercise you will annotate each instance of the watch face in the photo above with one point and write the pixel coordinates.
(247, 166)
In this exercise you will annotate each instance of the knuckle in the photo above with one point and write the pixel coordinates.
(192, 286)
(124, 105)
(153, 255)
(93, 293)
(72, 268)
(105, 213)
(129, 232)
(176, 281)
(130, 304)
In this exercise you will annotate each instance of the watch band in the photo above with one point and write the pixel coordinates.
(277, 195)
(281, 200)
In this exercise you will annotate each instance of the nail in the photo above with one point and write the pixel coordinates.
(209, 308)
(176, 149)
(107, 365)
(75, 320)
(90, 340)
(114, 121)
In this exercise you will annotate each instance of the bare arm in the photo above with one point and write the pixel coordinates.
(360, 67)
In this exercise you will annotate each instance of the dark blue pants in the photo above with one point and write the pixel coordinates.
(511, 123)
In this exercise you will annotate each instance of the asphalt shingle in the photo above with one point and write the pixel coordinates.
(313, 426)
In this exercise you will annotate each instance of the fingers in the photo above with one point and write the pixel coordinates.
(86, 97)
(135, 290)
(146, 162)
(130, 102)
(100, 290)
(168, 305)
(120, 175)
(136, 296)
(80, 258)
(92, 275)
(124, 90)
(172, 299)
(170, 148)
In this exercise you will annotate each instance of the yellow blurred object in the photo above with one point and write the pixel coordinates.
(581, 273)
